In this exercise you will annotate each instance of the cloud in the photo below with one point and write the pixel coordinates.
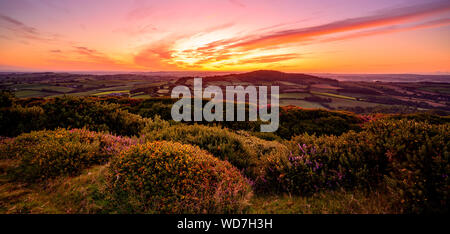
(237, 3)
(392, 29)
(156, 56)
(387, 17)
(16, 25)
(93, 55)
(138, 30)
(56, 4)
(24, 31)
(140, 11)
(270, 58)
(236, 50)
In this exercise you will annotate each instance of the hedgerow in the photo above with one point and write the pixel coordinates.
(166, 177)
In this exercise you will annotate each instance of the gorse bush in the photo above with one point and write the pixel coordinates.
(419, 163)
(323, 163)
(69, 112)
(46, 154)
(242, 151)
(410, 158)
(166, 177)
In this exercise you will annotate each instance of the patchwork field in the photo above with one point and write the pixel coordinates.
(295, 89)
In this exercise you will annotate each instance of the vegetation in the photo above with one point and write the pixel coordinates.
(69, 112)
(243, 151)
(165, 177)
(410, 159)
(46, 154)
(122, 155)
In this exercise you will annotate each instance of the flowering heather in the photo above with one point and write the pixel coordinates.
(45, 154)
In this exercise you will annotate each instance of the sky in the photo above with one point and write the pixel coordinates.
(310, 36)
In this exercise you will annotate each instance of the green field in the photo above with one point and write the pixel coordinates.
(333, 95)
(337, 103)
(31, 93)
(142, 96)
(294, 95)
(300, 103)
(111, 92)
(435, 89)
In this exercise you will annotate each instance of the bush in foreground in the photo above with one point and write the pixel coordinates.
(46, 154)
(410, 158)
(325, 163)
(240, 149)
(419, 163)
(166, 177)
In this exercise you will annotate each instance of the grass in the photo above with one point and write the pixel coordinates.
(31, 93)
(333, 95)
(142, 96)
(81, 194)
(86, 194)
(339, 102)
(300, 103)
(332, 202)
(110, 92)
(294, 95)
(61, 89)
(443, 90)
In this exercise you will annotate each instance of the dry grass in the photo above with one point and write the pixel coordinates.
(331, 202)
(81, 194)
(86, 194)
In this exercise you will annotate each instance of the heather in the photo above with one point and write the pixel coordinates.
(105, 155)
(409, 159)
(46, 154)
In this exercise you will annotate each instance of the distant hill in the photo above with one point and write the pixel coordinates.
(443, 78)
(261, 76)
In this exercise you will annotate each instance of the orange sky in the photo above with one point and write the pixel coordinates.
(336, 36)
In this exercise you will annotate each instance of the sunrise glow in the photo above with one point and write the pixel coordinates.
(342, 36)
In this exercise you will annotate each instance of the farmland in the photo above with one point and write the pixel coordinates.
(295, 89)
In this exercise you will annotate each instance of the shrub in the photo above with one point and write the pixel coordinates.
(323, 163)
(69, 112)
(46, 154)
(165, 177)
(419, 163)
(242, 151)
(74, 112)
(6, 98)
(16, 120)
(296, 121)
(410, 158)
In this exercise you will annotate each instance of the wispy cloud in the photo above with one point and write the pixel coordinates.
(237, 3)
(240, 48)
(391, 29)
(24, 31)
(388, 17)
